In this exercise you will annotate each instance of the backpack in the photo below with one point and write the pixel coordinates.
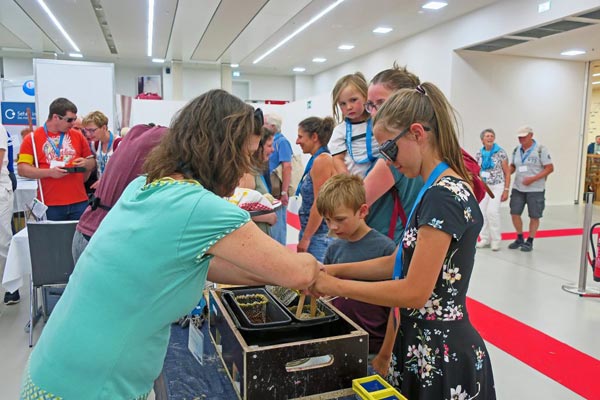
(539, 151)
(479, 186)
(277, 175)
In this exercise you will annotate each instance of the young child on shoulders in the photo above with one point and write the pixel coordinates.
(352, 143)
(342, 203)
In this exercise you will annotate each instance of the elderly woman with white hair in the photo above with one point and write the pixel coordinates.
(496, 174)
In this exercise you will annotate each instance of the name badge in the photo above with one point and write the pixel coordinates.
(485, 174)
(57, 164)
(523, 168)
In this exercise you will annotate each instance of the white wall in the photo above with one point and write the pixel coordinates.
(263, 87)
(16, 67)
(429, 53)
(126, 78)
(504, 93)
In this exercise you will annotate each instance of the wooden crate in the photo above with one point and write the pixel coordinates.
(268, 371)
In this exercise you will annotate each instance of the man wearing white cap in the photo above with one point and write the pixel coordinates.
(531, 164)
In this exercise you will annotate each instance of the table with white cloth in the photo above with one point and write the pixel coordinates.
(24, 194)
(18, 262)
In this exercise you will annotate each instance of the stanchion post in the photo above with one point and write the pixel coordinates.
(580, 289)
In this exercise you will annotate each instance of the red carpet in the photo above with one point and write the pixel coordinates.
(560, 362)
(568, 366)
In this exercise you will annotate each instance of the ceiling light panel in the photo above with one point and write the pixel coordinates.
(299, 69)
(573, 52)
(346, 47)
(434, 5)
(319, 60)
(382, 29)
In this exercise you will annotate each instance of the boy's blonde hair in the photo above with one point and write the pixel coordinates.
(341, 191)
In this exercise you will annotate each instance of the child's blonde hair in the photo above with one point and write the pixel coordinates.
(341, 191)
(357, 80)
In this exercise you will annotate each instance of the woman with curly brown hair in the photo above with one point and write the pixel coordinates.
(108, 335)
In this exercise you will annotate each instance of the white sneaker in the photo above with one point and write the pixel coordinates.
(483, 243)
(495, 246)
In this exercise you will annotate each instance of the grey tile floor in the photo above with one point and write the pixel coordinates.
(524, 286)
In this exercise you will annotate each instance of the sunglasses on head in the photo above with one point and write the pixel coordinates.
(258, 115)
(66, 119)
(389, 148)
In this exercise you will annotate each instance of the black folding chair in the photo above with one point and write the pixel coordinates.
(51, 262)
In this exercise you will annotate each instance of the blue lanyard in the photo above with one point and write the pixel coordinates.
(104, 157)
(439, 169)
(264, 181)
(60, 141)
(309, 166)
(527, 153)
(369, 137)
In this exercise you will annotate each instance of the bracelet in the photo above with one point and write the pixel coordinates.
(284, 193)
(506, 189)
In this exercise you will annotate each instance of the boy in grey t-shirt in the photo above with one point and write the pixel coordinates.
(531, 164)
(342, 203)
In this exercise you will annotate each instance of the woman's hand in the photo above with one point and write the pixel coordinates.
(504, 196)
(381, 364)
(303, 244)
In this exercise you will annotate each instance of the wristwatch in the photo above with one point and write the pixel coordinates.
(284, 193)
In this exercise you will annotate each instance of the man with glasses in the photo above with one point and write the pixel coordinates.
(58, 156)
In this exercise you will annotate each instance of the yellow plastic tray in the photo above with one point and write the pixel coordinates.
(374, 387)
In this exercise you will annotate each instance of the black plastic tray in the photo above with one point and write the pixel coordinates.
(276, 315)
(321, 306)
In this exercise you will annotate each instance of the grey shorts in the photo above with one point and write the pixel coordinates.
(535, 203)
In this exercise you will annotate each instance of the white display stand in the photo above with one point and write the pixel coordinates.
(89, 85)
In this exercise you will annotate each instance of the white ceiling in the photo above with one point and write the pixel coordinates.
(210, 32)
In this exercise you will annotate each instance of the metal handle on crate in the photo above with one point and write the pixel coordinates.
(304, 364)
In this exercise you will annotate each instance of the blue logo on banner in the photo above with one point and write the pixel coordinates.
(29, 88)
(14, 113)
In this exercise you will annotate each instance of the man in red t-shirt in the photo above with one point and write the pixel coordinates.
(59, 160)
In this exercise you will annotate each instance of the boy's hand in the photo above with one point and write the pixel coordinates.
(381, 364)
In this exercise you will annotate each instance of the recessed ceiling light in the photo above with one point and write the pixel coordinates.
(346, 47)
(598, 74)
(596, 83)
(297, 31)
(434, 5)
(76, 55)
(319, 59)
(236, 73)
(574, 52)
(382, 29)
(543, 7)
(234, 65)
(158, 60)
(299, 69)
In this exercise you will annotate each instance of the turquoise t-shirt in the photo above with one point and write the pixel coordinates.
(143, 269)
(381, 211)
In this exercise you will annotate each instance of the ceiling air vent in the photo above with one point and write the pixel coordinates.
(496, 44)
(551, 29)
(591, 15)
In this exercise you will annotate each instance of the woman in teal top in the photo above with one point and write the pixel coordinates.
(108, 335)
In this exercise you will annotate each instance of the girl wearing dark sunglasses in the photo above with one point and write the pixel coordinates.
(440, 352)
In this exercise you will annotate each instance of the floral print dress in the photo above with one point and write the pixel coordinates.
(440, 354)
